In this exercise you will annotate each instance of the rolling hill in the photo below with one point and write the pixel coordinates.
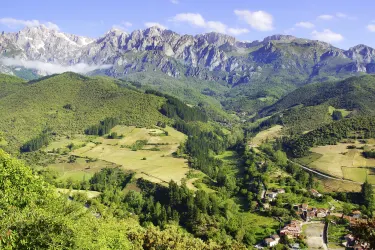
(312, 105)
(69, 103)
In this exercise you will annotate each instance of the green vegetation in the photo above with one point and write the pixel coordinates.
(330, 134)
(103, 128)
(38, 218)
(337, 231)
(164, 173)
(39, 105)
(138, 145)
(355, 93)
(314, 105)
(35, 143)
(367, 193)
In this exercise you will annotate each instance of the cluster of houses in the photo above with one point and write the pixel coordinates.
(291, 230)
(309, 214)
(271, 195)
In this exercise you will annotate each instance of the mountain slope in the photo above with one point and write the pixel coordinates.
(312, 105)
(355, 93)
(258, 72)
(69, 103)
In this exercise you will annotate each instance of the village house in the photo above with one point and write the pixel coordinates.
(315, 213)
(315, 193)
(271, 195)
(322, 213)
(272, 241)
(292, 230)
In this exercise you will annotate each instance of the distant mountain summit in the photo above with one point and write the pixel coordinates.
(278, 59)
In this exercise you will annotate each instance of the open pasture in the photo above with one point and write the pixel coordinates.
(268, 134)
(153, 161)
(343, 162)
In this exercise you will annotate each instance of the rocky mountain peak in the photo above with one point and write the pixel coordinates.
(361, 52)
(211, 56)
(286, 38)
(217, 39)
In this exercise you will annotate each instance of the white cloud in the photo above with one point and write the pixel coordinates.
(306, 25)
(237, 32)
(192, 18)
(16, 23)
(341, 15)
(327, 36)
(259, 20)
(174, 1)
(52, 68)
(325, 17)
(216, 26)
(127, 24)
(371, 27)
(197, 20)
(122, 26)
(152, 24)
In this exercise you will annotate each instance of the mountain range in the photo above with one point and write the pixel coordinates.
(257, 68)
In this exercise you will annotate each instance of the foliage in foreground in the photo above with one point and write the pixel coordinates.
(33, 216)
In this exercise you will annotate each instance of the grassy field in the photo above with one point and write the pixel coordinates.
(260, 226)
(269, 134)
(90, 194)
(330, 185)
(344, 112)
(339, 161)
(336, 233)
(80, 170)
(154, 161)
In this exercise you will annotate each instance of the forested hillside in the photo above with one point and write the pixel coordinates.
(354, 93)
(313, 105)
(70, 103)
(358, 127)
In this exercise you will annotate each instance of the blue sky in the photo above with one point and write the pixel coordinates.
(343, 23)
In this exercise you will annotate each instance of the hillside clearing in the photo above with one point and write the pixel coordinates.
(268, 134)
(339, 161)
(154, 161)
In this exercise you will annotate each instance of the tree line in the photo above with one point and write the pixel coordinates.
(330, 134)
(104, 127)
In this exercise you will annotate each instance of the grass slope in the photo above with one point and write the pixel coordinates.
(29, 109)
